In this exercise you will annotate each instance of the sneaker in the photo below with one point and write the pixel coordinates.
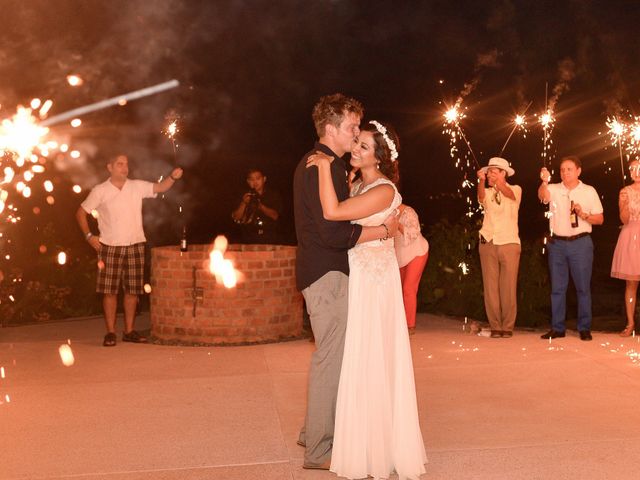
(507, 334)
(134, 337)
(496, 334)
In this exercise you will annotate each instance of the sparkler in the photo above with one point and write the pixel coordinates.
(520, 121)
(547, 121)
(617, 130)
(452, 127)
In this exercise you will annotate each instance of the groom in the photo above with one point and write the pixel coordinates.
(322, 268)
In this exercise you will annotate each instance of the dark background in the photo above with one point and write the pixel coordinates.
(250, 72)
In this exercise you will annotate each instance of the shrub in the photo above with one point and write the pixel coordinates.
(452, 282)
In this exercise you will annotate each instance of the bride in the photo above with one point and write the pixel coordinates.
(377, 429)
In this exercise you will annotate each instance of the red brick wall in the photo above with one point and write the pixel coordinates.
(264, 306)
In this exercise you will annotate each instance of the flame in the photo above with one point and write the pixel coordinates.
(222, 268)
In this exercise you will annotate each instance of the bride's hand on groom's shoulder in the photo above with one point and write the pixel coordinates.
(318, 158)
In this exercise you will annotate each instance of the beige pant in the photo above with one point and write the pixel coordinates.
(327, 302)
(500, 278)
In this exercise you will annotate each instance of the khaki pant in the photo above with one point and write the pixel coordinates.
(500, 279)
(327, 302)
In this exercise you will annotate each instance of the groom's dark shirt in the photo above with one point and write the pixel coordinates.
(322, 244)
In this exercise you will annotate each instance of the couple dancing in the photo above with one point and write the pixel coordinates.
(362, 414)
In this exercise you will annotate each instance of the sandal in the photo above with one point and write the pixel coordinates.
(134, 337)
(110, 340)
(628, 331)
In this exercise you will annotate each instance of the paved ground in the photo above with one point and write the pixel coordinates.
(515, 408)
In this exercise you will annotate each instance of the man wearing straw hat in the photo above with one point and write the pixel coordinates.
(499, 245)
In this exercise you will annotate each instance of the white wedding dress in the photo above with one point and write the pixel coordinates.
(377, 430)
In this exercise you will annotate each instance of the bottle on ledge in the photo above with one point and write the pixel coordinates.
(183, 240)
(573, 217)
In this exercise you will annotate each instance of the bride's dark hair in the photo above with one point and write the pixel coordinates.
(382, 152)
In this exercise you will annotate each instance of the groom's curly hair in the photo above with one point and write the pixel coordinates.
(331, 109)
(388, 167)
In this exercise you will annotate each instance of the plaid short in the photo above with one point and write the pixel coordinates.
(124, 262)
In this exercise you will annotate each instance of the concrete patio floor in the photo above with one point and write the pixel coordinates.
(517, 408)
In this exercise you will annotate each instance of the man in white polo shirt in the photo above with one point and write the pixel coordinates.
(120, 244)
(499, 245)
(574, 208)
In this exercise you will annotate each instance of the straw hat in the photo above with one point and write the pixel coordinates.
(501, 163)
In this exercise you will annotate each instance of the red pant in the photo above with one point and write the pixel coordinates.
(410, 276)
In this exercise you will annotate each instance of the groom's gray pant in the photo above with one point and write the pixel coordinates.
(327, 303)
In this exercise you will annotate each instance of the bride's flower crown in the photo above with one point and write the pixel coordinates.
(383, 131)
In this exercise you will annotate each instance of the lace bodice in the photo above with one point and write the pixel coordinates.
(375, 257)
(377, 218)
(634, 203)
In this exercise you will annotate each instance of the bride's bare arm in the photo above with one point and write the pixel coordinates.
(360, 206)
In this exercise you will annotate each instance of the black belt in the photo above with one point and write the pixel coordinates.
(571, 238)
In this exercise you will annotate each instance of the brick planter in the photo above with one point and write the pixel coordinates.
(264, 306)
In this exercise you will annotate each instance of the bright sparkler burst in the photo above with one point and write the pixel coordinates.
(172, 129)
(24, 149)
(453, 115)
(625, 135)
(546, 119)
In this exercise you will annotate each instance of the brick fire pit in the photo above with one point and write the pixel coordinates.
(188, 306)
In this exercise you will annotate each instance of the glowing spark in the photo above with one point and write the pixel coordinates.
(44, 110)
(172, 129)
(464, 267)
(48, 186)
(74, 154)
(147, 288)
(66, 355)
(546, 119)
(616, 129)
(74, 80)
(77, 189)
(453, 116)
(519, 120)
(21, 135)
(76, 122)
(62, 258)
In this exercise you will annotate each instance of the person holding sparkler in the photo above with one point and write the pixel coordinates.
(499, 245)
(377, 428)
(117, 203)
(575, 208)
(626, 257)
(258, 211)
(322, 268)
